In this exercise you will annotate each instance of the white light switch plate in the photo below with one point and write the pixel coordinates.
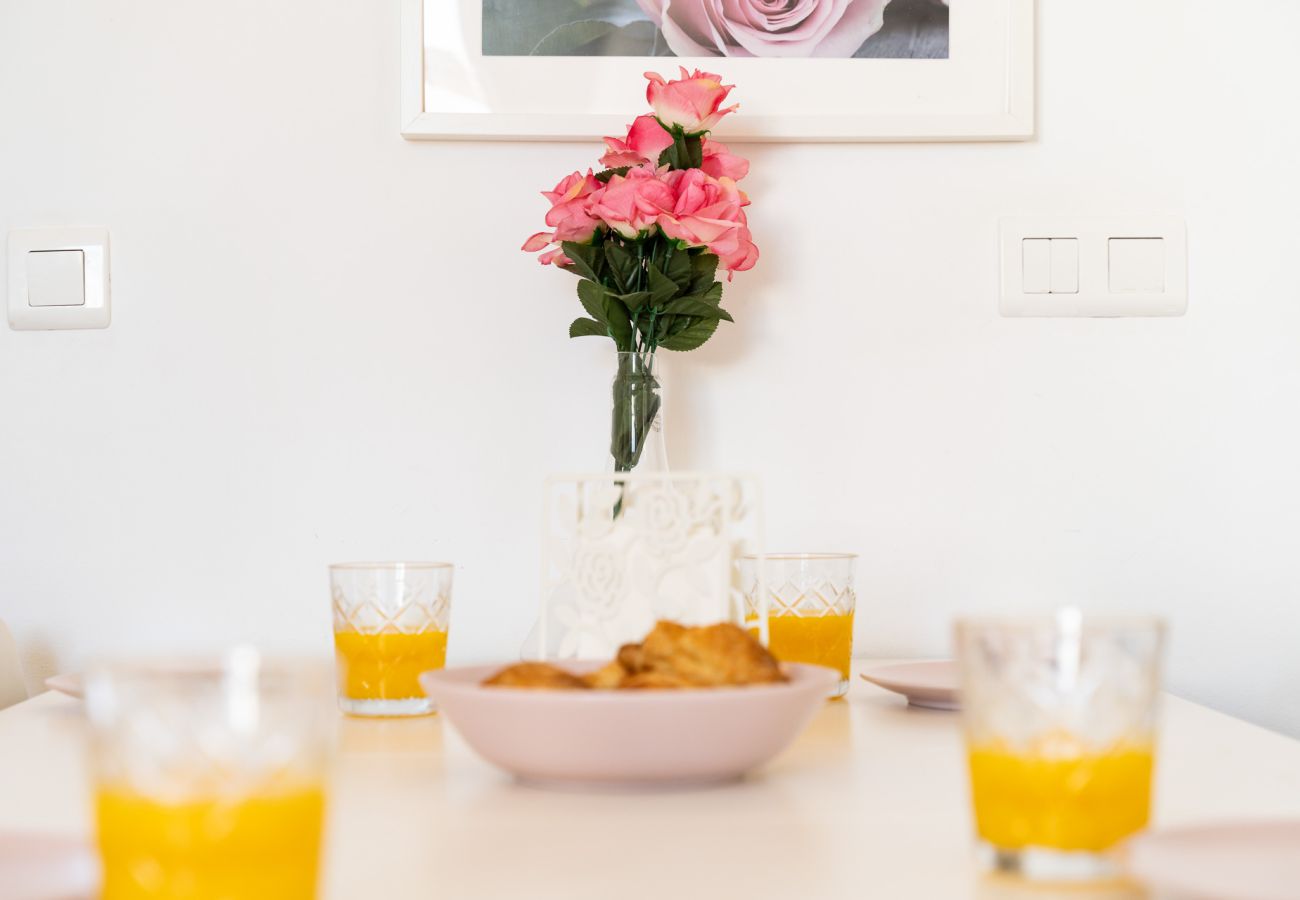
(30, 307)
(1097, 292)
(56, 277)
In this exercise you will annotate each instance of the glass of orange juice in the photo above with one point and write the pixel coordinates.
(1059, 718)
(808, 601)
(209, 779)
(390, 625)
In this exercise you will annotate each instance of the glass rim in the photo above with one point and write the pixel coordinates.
(799, 557)
(252, 670)
(389, 566)
(1053, 621)
(215, 665)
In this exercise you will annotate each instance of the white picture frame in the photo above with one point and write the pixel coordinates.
(983, 92)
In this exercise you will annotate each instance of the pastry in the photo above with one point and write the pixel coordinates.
(672, 656)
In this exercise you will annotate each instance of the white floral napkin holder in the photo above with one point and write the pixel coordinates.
(621, 551)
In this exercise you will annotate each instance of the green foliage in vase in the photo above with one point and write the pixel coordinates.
(646, 293)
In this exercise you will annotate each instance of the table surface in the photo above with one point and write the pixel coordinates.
(870, 801)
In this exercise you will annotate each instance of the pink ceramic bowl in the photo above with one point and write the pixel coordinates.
(628, 737)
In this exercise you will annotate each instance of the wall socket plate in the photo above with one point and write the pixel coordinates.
(1119, 273)
(96, 309)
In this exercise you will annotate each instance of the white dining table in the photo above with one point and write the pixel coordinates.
(870, 802)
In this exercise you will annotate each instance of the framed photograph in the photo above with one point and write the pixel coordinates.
(808, 70)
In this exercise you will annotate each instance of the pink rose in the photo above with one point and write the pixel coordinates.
(571, 202)
(541, 241)
(570, 215)
(736, 251)
(692, 102)
(721, 162)
(631, 204)
(709, 212)
(828, 28)
(645, 140)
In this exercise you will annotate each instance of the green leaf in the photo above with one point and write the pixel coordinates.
(594, 37)
(587, 328)
(704, 271)
(619, 321)
(694, 306)
(678, 268)
(686, 151)
(605, 175)
(512, 28)
(635, 300)
(662, 288)
(667, 326)
(695, 150)
(592, 296)
(670, 325)
(692, 336)
(623, 265)
(586, 259)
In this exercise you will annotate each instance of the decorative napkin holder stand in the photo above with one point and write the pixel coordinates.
(623, 550)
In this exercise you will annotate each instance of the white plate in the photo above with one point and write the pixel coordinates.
(37, 867)
(932, 684)
(70, 684)
(1243, 861)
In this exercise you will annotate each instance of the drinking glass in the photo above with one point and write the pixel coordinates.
(390, 624)
(209, 779)
(809, 600)
(1059, 717)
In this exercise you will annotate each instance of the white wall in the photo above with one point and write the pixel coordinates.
(326, 345)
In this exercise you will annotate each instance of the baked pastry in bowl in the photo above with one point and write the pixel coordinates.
(687, 705)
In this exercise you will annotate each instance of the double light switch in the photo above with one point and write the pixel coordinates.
(1051, 265)
(1094, 267)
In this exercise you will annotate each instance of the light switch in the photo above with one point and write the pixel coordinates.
(1095, 266)
(56, 278)
(1065, 265)
(1137, 265)
(1037, 265)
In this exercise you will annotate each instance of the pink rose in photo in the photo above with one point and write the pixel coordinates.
(692, 102)
(645, 140)
(765, 28)
(631, 204)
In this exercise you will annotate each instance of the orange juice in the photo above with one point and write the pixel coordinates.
(820, 640)
(1068, 801)
(264, 847)
(387, 666)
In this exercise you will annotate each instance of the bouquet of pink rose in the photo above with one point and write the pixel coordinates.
(647, 235)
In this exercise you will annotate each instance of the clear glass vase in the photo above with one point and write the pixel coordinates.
(636, 434)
